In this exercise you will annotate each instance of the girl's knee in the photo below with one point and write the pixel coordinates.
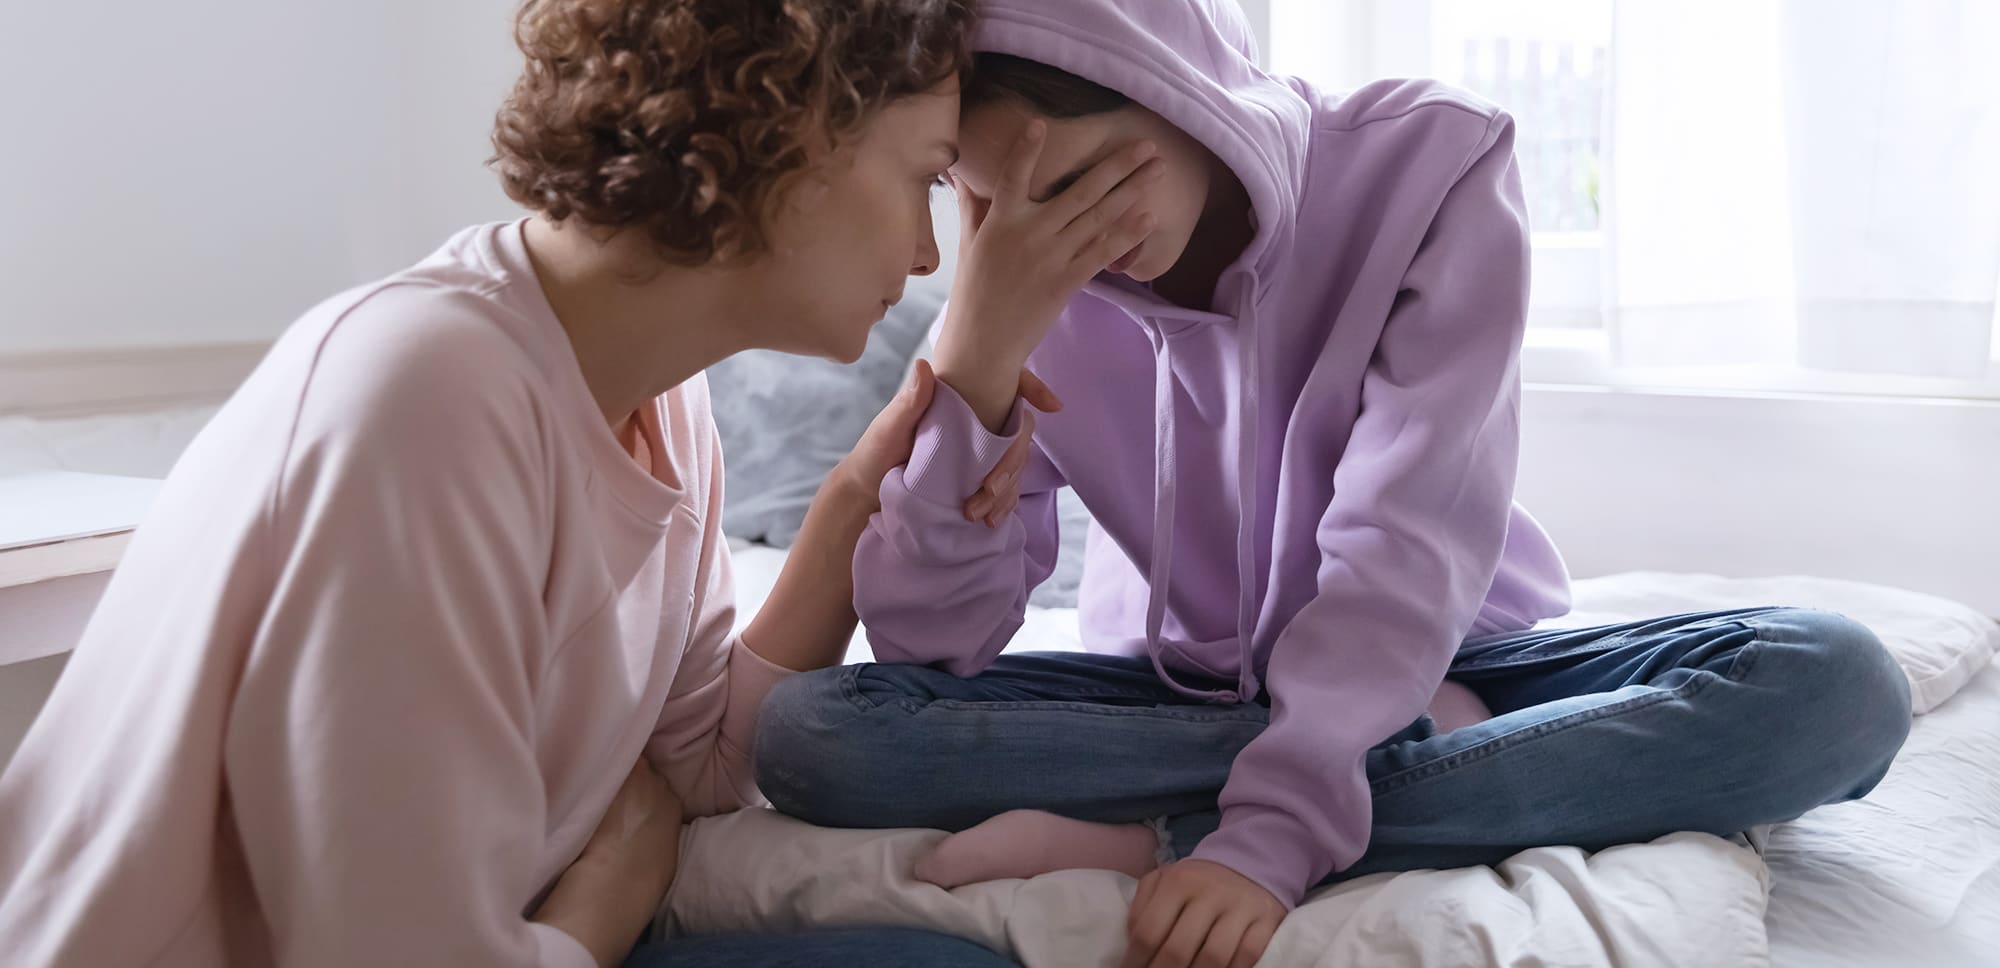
(1848, 691)
(796, 746)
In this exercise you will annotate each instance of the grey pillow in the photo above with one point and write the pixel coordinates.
(787, 420)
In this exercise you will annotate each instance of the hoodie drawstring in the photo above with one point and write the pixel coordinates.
(1159, 578)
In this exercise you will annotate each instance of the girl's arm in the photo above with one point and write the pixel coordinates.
(933, 587)
(1409, 545)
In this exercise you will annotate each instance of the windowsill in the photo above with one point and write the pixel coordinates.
(1573, 357)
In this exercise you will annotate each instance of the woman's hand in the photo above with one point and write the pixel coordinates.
(886, 446)
(1023, 260)
(607, 897)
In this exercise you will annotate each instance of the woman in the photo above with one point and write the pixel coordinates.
(426, 649)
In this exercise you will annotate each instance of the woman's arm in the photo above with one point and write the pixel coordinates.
(607, 897)
(810, 616)
(703, 738)
(380, 754)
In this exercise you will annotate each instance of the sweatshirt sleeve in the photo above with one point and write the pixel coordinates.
(703, 742)
(1409, 545)
(379, 754)
(933, 588)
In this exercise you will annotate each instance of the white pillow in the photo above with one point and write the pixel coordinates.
(1939, 643)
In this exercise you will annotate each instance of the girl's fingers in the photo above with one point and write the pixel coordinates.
(1120, 239)
(1151, 926)
(1250, 948)
(1019, 169)
(1038, 393)
(1141, 897)
(1184, 941)
(1101, 179)
(1008, 470)
(1224, 939)
(1106, 214)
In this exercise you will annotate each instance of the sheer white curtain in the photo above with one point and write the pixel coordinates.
(1806, 183)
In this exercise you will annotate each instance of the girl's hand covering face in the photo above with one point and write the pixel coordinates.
(1024, 259)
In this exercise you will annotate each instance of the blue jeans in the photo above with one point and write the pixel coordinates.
(1713, 722)
(873, 947)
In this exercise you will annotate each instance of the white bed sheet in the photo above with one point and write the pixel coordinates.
(1908, 876)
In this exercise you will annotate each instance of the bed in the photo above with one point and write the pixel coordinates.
(1909, 875)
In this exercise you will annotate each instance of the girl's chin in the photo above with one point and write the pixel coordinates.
(1143, 271)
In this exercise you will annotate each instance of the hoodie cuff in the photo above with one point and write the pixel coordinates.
(954, 451)
(1268, 847)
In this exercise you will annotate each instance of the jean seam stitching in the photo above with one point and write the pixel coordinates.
(1189, 713)
(1745, 659)
(1600, 645)
(850, 689)
(1506, 741)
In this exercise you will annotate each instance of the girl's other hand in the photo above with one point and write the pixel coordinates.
(1000, 493)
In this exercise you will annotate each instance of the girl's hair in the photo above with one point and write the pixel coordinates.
(1050, 91)
(688, 118)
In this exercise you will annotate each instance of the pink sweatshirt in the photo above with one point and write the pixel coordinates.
(402, 621)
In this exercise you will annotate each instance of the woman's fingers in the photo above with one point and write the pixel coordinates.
(907, 408)
(924, 388)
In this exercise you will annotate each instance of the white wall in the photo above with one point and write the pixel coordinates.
(204, 170)
(1892, 491)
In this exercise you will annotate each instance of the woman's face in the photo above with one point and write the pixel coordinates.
(1074, 145)
(851, 232)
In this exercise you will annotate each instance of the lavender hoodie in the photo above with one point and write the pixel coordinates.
(1309, 491)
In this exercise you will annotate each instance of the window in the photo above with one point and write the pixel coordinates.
(1545, 61)
(1679, 246)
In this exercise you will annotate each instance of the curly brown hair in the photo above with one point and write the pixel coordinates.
(688, 118)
